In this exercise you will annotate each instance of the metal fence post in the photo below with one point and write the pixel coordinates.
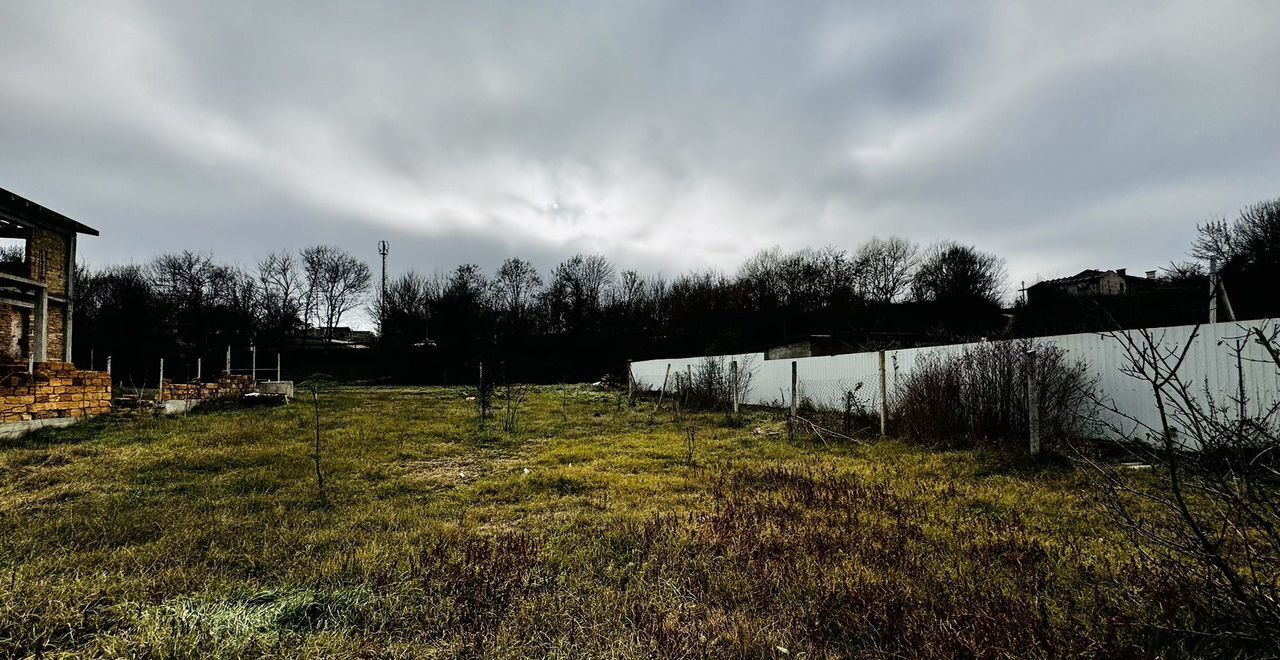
(631, 385)
(279, 378)
(228, 369)
(199, 368)
(108, 365)
(253, 362)
(1033, 402)
(160, 396)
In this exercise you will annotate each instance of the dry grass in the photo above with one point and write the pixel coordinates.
(585, 534)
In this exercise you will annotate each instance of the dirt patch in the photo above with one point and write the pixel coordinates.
(453, 471)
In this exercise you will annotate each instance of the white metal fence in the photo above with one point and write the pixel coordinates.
(1210, 365)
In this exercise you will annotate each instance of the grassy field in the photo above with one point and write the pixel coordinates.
(587, 532)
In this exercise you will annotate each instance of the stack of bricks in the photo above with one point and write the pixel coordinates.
(56, 389)
(226, 387)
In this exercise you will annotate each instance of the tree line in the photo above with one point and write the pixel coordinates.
(584, 316)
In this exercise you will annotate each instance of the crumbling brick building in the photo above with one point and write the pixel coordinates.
(37, 304)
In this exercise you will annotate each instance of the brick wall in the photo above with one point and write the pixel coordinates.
(56, 335)
(56, 389)
(48, 258)
(226, 387)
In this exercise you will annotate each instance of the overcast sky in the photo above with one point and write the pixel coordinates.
(668, 136)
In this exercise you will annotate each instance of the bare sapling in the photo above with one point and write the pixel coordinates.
(314, 385)
(1207, 522)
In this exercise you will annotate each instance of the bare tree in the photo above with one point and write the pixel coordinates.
(884, 268)
(336, 283)
(281, 287)
(951, 272)
(514, 286)
(186, 276)
(1254, 236)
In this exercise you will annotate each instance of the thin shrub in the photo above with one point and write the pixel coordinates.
(978, 396)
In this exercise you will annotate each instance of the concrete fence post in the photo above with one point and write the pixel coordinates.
(794, 388)
(733, 379)
(663, 394)
(884, 400)
(1033, 402)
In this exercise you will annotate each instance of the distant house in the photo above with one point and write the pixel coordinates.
(1089, 283)
(342, 334)
(37, 284)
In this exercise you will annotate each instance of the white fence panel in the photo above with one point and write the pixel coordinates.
(1210, 367)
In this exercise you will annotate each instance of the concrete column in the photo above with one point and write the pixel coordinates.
(66, 331)
(40, 350)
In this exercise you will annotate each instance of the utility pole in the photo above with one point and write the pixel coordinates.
(383, 248)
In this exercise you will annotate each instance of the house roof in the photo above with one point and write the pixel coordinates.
(1082, 276)
(17, 204)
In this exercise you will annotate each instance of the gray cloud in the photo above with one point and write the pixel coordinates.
(668, 135)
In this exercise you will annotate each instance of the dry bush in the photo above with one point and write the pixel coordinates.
(979, 396)
(851, 417)
(1205, 517)
(712, 384)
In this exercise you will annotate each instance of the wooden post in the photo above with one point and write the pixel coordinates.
(663, 393)
(884, 400)
(733, 381)
(160, 396)
(1033, 401)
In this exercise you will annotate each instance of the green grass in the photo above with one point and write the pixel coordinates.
(585, 533)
